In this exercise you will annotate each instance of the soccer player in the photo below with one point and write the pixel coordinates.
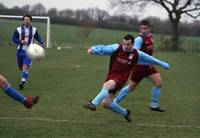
(144, 42)
(23, 36)
(123, 57)
(28, 102)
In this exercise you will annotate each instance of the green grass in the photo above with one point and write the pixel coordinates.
(69, 77)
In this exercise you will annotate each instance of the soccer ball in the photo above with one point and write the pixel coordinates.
(35, 52)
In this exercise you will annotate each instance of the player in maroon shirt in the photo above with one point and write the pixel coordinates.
(144, 42)
(123, 57)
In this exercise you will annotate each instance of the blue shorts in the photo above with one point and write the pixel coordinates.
(23, 59)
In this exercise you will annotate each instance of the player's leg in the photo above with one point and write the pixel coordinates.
(19, 61)
(10, 91)
(24, 73)
(107, 86)
(14, 94)
(156, 91)
(124, 91)
(138, 73)
(145, 59)
(107, 103)
(24, 76)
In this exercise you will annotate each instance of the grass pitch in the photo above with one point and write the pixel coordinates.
(68, 77)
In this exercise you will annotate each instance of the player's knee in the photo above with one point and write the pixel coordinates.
(2, 78)
(25, 67)
(105, 104)
(105, 85)
(108, 86)
(3, 81)
(158, 84)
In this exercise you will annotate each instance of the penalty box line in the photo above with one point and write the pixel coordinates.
(94, 122)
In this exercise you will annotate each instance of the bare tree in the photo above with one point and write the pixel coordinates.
(53, 12)
(174, 8)
(98, 14)
(38, 9)
(26, 8)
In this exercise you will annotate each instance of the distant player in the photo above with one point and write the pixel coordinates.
(123, 57)
(144, 42)
(28, 102)
(23, 37)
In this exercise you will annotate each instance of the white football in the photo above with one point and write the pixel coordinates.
(35, 52)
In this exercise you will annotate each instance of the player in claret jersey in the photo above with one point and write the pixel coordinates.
(123, 57)
(144, 42)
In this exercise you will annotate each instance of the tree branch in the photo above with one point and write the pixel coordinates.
(161, 2)
(132, 2)
(193, 16)
(176, 2)
(196, 8)
(168, 2)
(185, 6)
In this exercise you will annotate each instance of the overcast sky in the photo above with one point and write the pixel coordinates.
(80, 4)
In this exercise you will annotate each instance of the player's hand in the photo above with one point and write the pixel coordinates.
(23, 42)
(89, 50)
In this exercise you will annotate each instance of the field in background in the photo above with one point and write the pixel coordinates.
(69, 36)
(68, 77)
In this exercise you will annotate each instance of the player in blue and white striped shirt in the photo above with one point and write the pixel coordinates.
(23, 36)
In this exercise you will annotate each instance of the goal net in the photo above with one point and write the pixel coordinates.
(8, 23)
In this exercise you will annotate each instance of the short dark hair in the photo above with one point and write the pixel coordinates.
(29, 16)
(145, 22)
(129, 37)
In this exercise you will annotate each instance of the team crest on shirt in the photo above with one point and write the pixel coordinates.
(123, 61)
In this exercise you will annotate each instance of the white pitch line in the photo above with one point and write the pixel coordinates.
(167, 126)
(94, 122)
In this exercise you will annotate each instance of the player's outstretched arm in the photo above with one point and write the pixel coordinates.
(145, 59)
(103, 49)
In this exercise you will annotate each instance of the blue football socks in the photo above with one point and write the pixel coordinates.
(14, 94)
(117, 109)
(122, 94)
(97, 100)
(24, 75)
(155, 97)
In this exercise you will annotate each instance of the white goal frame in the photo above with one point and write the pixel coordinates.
(35, 17)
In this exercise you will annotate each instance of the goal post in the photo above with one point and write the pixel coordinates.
(35, 17)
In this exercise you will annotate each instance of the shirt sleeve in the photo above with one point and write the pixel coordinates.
(104, 49)
(15, 37)
(138, 43)
(38, 38)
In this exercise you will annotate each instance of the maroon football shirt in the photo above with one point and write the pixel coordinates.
(121, 64)
(147, 46)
